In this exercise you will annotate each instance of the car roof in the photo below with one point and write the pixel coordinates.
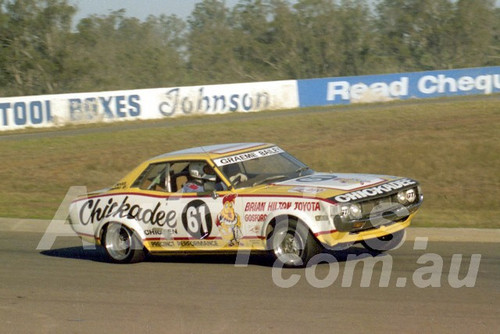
(213, 151)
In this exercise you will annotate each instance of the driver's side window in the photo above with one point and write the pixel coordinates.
(180, 174)
(156, 177)
(176, 177)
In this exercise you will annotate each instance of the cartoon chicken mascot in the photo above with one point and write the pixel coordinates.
(228, 221)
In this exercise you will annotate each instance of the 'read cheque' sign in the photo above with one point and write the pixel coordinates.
(380, 88)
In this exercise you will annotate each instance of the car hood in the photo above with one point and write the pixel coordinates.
(337, 186)
(340, 181)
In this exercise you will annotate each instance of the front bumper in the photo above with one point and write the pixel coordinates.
(390, 216)
(334, 238)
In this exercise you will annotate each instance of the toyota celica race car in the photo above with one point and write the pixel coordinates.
(243, 197)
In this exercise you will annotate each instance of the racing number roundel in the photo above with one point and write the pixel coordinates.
(196, 219)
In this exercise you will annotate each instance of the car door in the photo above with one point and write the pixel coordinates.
(198, 207)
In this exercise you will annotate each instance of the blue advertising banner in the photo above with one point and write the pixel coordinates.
(379, 88)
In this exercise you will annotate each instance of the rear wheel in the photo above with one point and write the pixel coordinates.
(291, 244)
(385, 243)
(122, 245)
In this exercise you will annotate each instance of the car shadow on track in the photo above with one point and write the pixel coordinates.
(97, 254)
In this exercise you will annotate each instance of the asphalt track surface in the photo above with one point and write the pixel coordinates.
(69, 289)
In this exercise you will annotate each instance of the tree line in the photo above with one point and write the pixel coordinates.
(43, 51)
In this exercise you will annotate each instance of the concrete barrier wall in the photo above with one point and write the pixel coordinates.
(62, 109)
(142, 104)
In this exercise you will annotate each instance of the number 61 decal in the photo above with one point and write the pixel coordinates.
(196, 219)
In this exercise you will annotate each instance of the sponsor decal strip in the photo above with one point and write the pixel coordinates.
(185, 238)
(289, 196)
(178, 196)
(247, 237)
(375, 191)
(169, 196)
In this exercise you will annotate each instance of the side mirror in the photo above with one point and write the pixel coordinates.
(215, 195)
(210, 188)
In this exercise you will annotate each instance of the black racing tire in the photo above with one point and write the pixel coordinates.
(291, 243)
(122, 245)
(385, 243)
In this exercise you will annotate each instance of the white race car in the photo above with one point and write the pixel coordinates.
(243, 197)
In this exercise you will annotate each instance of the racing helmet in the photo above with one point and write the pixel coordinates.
(201, 170)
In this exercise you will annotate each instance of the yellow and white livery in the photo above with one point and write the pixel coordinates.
(243, 197)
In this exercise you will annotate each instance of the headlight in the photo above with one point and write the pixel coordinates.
(407, 196)
(351, 211)
(344, 211)
(411, 195)
(355, 211)
(402, 197)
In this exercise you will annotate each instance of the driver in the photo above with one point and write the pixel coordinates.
(200, 173)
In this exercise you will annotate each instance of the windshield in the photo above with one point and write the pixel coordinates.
(261, 167)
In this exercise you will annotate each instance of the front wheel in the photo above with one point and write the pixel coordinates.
(291, 244)
(122, 245)
(385, 243)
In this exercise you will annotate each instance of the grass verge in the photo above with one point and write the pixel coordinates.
(452, 147)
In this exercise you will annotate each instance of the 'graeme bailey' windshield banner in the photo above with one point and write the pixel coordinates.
(380, 88)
